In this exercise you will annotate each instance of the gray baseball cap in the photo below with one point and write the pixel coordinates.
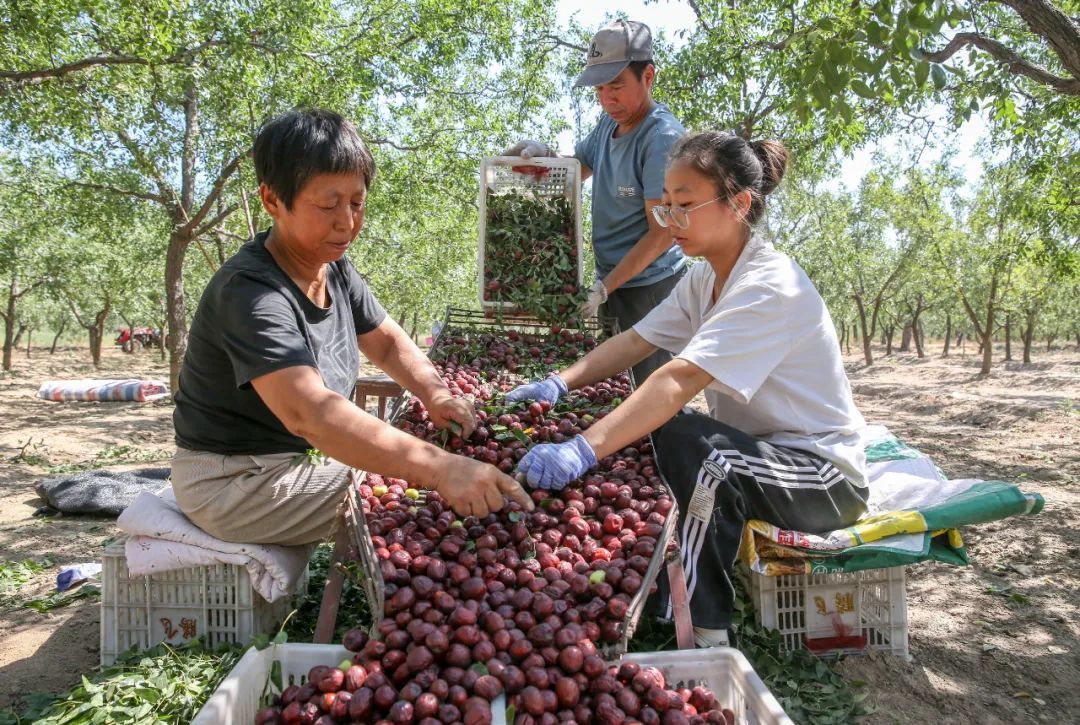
(613, 49)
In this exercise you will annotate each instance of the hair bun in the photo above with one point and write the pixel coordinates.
(774, 159)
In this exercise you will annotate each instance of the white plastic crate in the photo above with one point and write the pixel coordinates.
(723, 670)
(216, 603)
(238, 698)
(726, 672)
(815, 610)
(497, 175)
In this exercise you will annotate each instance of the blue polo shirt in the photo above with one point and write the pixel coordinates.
(625, 172)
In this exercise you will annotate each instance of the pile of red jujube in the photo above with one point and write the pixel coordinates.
(516, 602)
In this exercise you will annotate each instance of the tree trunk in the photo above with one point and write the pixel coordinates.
(96, 331)
(1008, 337)
(95, 345)
(1049, 342)
(988, 336)
(948, 334)
(867, 335)
(9, 321)
(29, 334)
(889, 332)
(18, 336)
(1028, 334)
(905, 339)
(843, 335)
(174, 296)
(412, 329)
(56, 338)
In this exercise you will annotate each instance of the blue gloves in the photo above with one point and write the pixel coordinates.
(549, 389)
(553, 465)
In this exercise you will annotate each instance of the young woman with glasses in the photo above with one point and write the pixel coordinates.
(783, 438)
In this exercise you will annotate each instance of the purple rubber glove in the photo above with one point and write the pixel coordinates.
(553, 465)
(549, 389)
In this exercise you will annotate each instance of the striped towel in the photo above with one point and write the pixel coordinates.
(103, 390)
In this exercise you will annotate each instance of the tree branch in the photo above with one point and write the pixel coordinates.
(566, 44)
(215, 191)
(11, 80)
(218, 218)
(1016, 64)
(392, 144)
(75, 311)
(696, 7)
(165, 189)
(145, 195)
(1061, 31)
(28, 290)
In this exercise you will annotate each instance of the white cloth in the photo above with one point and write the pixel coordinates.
(163, 539)
(771, 347)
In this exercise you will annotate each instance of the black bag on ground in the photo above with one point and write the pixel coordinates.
(99, 492)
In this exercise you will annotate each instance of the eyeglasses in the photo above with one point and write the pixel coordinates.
(677, 215)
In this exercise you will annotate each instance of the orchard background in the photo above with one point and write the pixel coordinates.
(950, 266)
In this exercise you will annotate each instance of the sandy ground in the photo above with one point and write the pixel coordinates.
(978, 656)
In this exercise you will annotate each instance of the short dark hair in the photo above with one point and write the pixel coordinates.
(296, 146)
(735, 165)
(637, 67)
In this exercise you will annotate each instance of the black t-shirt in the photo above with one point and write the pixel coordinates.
(252, 320)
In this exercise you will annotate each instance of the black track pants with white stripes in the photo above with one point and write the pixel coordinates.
(721, 477)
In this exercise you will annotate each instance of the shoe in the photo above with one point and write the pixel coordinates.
(705, 638)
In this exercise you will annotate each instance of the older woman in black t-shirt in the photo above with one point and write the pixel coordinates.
(273, 357)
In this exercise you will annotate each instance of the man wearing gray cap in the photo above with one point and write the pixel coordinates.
(636, 264)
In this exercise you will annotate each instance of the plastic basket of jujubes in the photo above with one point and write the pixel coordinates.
(530, 247)
(290, 684)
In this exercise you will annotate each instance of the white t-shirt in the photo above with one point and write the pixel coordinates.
(771, 347)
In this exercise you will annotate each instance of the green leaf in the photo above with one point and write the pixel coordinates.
(938, 76)
(896, 75)
(899, 41)
(922, 71)
(832, 77)
(862, 89)
(845, 110)
(863, 63)
(276, 676)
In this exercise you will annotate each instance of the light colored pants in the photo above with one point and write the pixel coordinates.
(278, 498)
